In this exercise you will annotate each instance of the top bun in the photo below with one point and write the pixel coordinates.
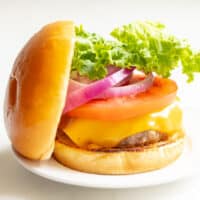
(37, 89)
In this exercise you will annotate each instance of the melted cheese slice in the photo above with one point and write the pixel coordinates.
(84, 132)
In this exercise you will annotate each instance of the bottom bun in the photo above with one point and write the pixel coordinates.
(119, 162)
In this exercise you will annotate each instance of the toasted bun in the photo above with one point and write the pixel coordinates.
(37, 90)
(122, 162)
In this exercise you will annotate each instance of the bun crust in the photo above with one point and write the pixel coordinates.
(37, 90)
(123, 162)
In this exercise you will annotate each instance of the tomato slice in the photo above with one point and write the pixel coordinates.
(161, 94)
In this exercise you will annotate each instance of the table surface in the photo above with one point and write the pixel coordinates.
(20, 19)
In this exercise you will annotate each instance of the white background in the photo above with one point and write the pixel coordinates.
(20, 19)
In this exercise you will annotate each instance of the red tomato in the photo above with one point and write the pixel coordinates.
(160, 95)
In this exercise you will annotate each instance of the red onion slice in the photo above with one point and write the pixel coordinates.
(85, 94)
(132, 89)
(75, 85)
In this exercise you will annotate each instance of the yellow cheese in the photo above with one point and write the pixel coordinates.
(84, 132)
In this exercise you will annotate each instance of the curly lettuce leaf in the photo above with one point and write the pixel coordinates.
(91, 54)
(145, 45)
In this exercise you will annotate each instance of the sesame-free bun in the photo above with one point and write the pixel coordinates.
(37, 89)
(123, 161)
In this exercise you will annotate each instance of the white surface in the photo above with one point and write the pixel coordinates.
(18, 21)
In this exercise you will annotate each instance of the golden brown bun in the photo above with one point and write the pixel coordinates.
(37, 89)
(123, 162)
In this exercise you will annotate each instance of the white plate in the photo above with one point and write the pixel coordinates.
(54, 171)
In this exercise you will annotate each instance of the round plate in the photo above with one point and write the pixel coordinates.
(52, 170)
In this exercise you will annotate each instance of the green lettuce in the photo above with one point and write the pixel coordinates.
(146, 45)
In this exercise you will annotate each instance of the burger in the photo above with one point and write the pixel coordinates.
(99, 105)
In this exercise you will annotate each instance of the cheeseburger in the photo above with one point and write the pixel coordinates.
(99, 105)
